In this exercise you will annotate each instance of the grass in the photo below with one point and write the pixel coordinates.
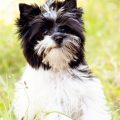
(102, 23)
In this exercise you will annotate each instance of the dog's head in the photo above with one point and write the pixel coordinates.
(52, 35)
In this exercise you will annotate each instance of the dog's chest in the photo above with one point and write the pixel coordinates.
(49, 92)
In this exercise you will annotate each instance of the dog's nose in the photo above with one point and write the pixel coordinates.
(58, 39)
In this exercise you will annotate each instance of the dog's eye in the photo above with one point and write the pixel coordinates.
(45, 32)
(62, 30)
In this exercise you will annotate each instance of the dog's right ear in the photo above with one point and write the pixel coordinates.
(28, 11)
(70, 4)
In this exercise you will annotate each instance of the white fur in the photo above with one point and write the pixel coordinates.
(50, 13)
(70, 92)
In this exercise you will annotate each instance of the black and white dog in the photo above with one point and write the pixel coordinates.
(57, 79)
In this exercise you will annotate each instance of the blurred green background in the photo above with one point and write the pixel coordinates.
(102, 24)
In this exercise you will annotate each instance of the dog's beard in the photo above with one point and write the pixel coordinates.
(56, 56)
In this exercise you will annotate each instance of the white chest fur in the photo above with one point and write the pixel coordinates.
(71, 93)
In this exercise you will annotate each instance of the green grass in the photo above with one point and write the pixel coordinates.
(102, 23)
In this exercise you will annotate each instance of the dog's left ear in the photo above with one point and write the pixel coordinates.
(28, 11)
(70, 4)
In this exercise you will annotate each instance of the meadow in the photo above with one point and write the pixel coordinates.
(102, 25)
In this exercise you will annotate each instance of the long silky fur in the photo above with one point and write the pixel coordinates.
(57, 83)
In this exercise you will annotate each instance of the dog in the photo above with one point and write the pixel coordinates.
(57, 83)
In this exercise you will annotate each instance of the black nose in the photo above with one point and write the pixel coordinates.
(58, 39)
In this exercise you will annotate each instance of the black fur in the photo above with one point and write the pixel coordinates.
(33, 26)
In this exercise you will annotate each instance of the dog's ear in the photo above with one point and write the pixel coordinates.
(70, 4)
(28, 11)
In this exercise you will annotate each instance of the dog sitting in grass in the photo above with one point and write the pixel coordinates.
(57, 83)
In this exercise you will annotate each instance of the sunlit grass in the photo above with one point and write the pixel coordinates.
(102, 21)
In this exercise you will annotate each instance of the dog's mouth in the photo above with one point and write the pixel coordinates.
(49, 49)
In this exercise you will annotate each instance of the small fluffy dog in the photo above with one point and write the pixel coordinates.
(57, 84)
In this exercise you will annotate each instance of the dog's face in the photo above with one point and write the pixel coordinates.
(52, 35)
